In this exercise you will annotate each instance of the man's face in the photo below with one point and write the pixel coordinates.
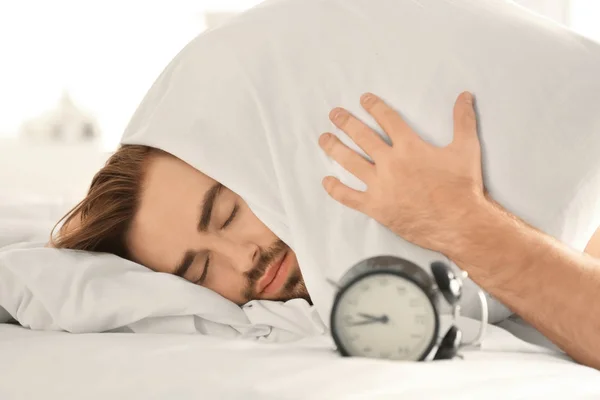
(190, 225)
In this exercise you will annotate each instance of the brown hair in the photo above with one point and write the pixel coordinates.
(100, 222)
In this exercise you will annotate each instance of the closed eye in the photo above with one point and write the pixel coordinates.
(206, 265)
(204, 273)
(231, 217)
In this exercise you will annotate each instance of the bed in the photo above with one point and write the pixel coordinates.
(144, 366)
(49, 364)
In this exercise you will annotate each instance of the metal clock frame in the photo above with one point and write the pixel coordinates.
(408, 271)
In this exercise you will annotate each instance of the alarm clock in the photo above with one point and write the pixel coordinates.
(388, 307)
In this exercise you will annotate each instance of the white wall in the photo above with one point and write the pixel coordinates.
(105, 53)
(585, 18)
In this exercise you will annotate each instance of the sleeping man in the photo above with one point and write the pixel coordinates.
(152, 208)
(219, 178)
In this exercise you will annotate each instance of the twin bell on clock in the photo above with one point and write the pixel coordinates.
(388, 307)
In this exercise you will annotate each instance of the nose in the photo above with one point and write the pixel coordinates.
(243, 256)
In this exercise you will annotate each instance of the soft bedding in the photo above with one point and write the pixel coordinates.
(261, 86)
(56, 365)
(26, 219)
(74, 291)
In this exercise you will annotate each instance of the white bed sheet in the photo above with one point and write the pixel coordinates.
(55, 365)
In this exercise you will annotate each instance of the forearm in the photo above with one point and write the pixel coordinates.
(547, 283)
(433, 197)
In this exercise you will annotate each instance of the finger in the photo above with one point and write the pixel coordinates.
(465, 121)
(360, 133)
(390, 121)
(353, 162)
(343, 194)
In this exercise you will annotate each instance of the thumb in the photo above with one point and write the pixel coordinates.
(465, 121)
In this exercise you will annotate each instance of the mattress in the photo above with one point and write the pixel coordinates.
(57, 365)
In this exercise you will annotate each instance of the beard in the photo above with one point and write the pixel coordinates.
(294, 288)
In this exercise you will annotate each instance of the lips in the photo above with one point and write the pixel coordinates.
(270, 273)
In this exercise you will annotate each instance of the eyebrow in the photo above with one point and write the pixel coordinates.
(207, 206)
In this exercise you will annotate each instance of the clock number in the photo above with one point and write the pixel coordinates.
(401, 290)
(420, 319)
(414, 302)
(367, 349)
(383, 281)
(385, 354)
(364, 288)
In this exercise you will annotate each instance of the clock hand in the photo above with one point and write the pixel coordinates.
(366, 322)
(371, 320)
(383, 319)
(369, 316)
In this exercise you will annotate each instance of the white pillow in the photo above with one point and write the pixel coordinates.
(246, 103)
(26, 220)
(74, 291)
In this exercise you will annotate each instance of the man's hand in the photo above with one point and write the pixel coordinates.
(434, 197)
(419, 191)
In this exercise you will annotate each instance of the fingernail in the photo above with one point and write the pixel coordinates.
(367, 99)
(338, 114)
(324, 139)
(468, 98)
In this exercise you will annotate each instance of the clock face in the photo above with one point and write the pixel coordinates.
(384, 315)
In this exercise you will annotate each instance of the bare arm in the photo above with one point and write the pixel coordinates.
(434, 197)
(550, 285)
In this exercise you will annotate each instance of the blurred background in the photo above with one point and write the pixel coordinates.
(72, 73)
